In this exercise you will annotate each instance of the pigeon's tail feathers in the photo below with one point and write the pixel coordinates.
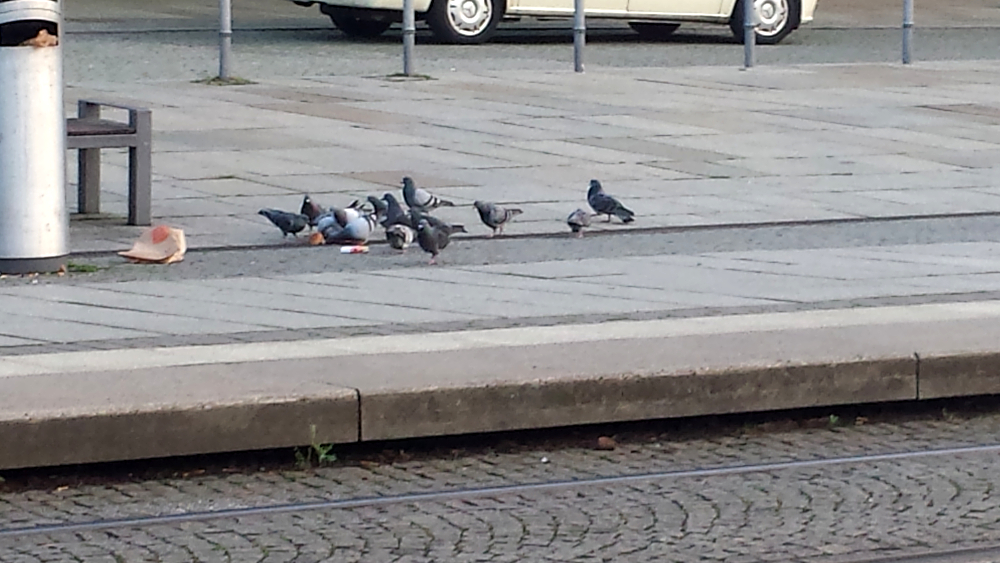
(458, 229)
(625, 214)
(445, 203)
(514, 212)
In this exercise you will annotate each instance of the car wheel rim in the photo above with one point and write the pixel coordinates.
(470, 17)
(773, 16)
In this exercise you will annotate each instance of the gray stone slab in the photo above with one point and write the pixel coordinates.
(229, 140)
(820, 264)
(573, 127)
(650, 122)
(6, 341)
(228, 304)
(918, 254)
(349, 299)
(491, 302)
(335, 300)
(961, 283)
(944, 200)
(721, 169)
(543, 287)
(224, 187)
(561, 269)
(108, 306)
(62, 330)
(585, 153)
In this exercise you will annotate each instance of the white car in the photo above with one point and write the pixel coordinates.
(474, 21)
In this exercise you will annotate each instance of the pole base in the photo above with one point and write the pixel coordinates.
(18, 266)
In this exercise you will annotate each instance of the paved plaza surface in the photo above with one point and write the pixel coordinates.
(696, 150)
(806, 235)
(686, 147)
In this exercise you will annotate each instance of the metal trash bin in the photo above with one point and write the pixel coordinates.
(34, 223)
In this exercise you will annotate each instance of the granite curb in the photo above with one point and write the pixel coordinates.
(103, 416)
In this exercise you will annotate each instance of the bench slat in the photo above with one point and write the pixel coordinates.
(102, 141)
(77, 127)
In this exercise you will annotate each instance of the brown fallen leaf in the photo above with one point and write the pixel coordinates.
(43, 39)
(606, 443)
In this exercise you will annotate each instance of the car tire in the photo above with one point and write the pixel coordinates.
(464, 22)
(355, 25)
(778, 19)
(654, 31)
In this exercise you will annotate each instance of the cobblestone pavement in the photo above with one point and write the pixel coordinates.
(808, 514)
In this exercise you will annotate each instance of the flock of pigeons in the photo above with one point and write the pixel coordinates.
(355, 224)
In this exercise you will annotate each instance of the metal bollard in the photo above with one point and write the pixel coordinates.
(34, 223)
(225, 37)
(907, 30)
(749, 33)
(409, 36)
(579, 34)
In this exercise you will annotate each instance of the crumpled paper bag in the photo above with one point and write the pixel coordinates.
(158, 245)
(43, 39)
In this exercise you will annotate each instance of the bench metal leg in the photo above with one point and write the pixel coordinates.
(140, 170)
(88, 199)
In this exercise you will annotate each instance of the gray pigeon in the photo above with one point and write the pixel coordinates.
(311, 210)
(604, 204)
(356, 231)
(577, 221)
(431, 239)
(378, 206)
(417, 216)
(421, 199)
(394, 214)
(292, 223)
(494, 216)
(399, 236)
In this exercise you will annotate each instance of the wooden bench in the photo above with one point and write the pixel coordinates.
(88, 134)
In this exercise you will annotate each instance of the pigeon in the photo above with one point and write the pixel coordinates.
(394, 214)
(416, 217)
(431, 239)
(604, 204)
(311, 210)
(494, 216)
(577, 221)
(378, 206)
(421, 199)
(292, 223)
(399, 236)
(356, 231)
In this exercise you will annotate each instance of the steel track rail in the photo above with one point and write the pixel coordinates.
(464, 493)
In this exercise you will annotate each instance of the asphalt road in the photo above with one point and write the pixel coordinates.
(318, 52)
(121, 41)
(818, 513)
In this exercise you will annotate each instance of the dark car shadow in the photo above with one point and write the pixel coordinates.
(548, 35)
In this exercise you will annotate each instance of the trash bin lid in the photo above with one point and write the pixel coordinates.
(22, 10)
